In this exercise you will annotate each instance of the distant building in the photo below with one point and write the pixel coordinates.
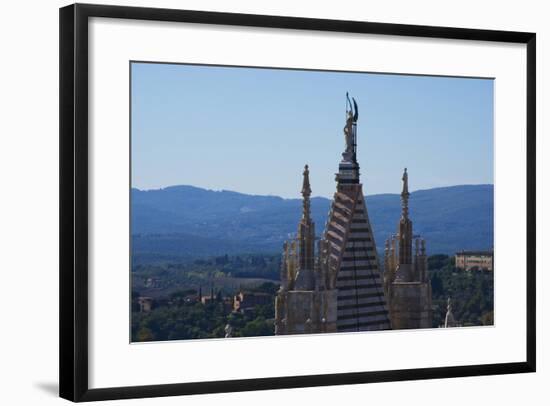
(208, 299)
(145, 304)
(406, 281)
(466, 260)
(246, 301)
(212, 298)
(153, 283)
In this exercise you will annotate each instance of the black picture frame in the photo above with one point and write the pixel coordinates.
(74, 170)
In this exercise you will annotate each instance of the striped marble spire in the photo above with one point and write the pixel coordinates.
(353, 260)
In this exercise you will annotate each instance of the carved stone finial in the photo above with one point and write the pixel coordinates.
(352, 114)
(306, 193)
(306, 188)
(405, 195)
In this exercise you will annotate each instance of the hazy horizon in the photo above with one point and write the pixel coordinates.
(298, 195)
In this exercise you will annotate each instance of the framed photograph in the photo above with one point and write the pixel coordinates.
(257, 202)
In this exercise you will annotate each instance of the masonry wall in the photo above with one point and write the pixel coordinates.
(410, 305)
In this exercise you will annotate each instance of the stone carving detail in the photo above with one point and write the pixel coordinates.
(350, 129)
(406, 281)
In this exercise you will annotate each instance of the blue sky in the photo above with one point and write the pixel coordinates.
(252, 130)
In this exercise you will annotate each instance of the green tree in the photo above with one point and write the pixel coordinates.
(257, 327)
(145, 334)
(438, 261)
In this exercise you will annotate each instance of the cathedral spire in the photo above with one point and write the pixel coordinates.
(405, 196)
(306, 240)
(405, 231)
(306, 193)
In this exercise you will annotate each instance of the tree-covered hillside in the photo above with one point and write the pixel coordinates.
(181, 221)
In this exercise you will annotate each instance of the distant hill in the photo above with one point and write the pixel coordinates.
(182, 221)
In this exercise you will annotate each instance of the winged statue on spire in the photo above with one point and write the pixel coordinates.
(352, 114)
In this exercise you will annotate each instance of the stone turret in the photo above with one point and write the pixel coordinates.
(304, 303)
(406, 280)
(404, 233)
(305, 279)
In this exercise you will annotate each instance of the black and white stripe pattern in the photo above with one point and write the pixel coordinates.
(361, 301)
